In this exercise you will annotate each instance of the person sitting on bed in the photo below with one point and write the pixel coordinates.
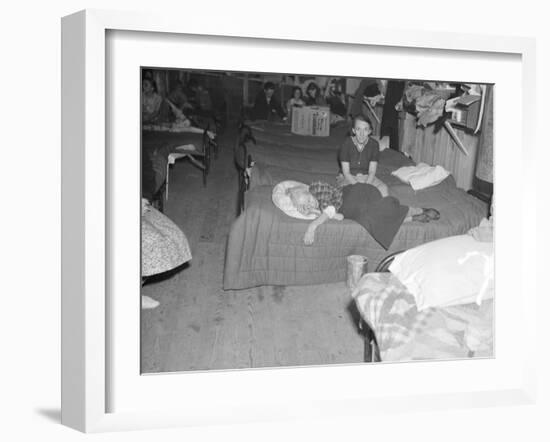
(358, 156)
(313, 96)
(266, 105)
(295, 100)
(178, 98)
(336, 98)
(150, 101)
(363, 203)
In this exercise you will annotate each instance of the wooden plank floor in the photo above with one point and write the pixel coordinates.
(199, 326)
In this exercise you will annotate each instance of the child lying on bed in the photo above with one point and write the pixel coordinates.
(363, 203)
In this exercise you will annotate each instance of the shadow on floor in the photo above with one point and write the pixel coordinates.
(51, 414)
(166, 275)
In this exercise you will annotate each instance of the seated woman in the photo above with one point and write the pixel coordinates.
(295, 100)
(185, 124)
(150, 101)
(313, 96)
(363, 203)
(358, 156)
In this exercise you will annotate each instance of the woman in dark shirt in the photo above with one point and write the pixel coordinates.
(359, 154)
(266, 104)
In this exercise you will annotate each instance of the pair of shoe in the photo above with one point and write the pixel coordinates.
(426, 216)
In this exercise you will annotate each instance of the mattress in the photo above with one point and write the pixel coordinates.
(403, 333)
(280, 134)
(275, 166)
(276, 146)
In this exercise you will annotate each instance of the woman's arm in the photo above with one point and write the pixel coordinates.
(372, 171)
(350, 179)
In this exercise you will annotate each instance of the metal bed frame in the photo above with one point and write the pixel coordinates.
(243, 162)
(371, 349)
(201, 159)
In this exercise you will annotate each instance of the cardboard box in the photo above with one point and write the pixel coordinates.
(311, 120)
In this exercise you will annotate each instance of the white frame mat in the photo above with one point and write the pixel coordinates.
(88, 362)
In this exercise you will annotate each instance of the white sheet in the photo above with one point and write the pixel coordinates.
(422, 175)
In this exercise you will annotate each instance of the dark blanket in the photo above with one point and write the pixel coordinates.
(380, 216)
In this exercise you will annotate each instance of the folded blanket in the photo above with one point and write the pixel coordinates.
(380, 216)
(422, 175)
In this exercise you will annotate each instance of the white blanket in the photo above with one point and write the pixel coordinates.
(422, 175)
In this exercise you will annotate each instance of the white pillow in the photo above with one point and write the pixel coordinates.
(446, 272)
(283, 201)
(422, 175)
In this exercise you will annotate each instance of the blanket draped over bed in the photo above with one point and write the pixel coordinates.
(381, 217)
(403, 333)
(265, 246)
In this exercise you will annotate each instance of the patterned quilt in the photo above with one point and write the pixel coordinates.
(403, 333)
(164, 246)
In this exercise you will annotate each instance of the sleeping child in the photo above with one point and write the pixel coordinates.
(380, 215)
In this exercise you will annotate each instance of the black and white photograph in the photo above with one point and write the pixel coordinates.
(236, 221)
(295, 219)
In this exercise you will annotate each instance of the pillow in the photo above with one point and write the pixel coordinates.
(422, 175)
(283, 201)
(449, 271)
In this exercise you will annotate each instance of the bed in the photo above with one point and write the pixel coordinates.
(158, 142)
(273, 144)
(275, 133)
(265, 246)
(263, 145)
(395, 330)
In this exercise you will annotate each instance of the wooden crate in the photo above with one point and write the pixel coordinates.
(311, 120)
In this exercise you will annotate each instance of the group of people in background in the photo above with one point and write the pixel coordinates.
(266, 104)
(367, 95)
(188, 104)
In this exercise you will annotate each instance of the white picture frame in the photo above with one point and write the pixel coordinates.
(86, 216)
